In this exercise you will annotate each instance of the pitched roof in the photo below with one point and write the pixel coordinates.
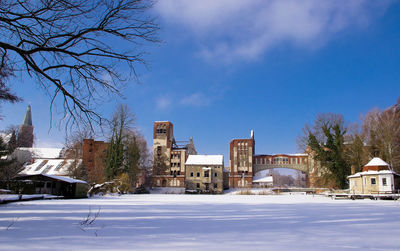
(205, 160)
(372, 173)
(42, 153)
(377, 162)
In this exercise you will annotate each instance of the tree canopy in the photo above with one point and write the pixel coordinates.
(331, 153)
(76, 50)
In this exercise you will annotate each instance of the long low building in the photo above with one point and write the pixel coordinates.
(52, 184)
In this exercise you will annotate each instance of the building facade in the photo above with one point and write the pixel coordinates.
(169, 156)
(241, 152)
(244, 164)
(376, 177)
(204, 174)
(94, 154)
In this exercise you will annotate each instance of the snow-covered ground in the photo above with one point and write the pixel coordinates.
(201, 222)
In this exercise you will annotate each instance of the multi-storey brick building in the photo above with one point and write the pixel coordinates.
(169, 156)
(241, 153)
(244, 164)
(94, 154)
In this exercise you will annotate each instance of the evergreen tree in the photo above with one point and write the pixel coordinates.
(9, 167)
(132, 156)
(331, 153)
(127, 152)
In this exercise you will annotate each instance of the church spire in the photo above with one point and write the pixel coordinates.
(28, 117)
(25, 135)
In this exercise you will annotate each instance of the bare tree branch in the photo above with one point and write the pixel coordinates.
(76, 49)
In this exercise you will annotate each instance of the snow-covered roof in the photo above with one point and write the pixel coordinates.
(377, 162)
(205, 160)
(66, 179)
(50, 166)
(61, 178)
(43, 153)
(261, 174)
(267, 179)
(372, 173)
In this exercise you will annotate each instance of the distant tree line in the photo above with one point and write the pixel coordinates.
(343, 149)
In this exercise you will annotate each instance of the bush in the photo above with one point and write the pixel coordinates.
(141, 190)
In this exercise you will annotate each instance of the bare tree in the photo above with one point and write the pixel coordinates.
(9, 166)
(73, 149)
(322, 119)
(77, 50)
(381, 130)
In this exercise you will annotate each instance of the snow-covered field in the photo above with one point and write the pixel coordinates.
(187, 222)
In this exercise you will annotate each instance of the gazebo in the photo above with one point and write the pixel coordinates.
(376, 177)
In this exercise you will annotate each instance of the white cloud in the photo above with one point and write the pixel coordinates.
(232, 30)
(196, 99)
(163, 103)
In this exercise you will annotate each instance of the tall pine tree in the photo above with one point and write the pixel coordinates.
(331, 153)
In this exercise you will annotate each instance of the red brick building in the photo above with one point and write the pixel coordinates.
(170, 154)
(241, 152)
(94, 154)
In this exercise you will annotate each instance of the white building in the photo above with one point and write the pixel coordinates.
(376, 177)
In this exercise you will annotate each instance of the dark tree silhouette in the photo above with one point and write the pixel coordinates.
(75, 49)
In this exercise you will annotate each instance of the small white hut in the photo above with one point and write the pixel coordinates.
(376, 177)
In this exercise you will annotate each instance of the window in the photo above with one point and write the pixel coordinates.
(198, 174)
(179, 172)
(47, 169)
(215, 174)
(206, 174)
(198, 185)
(215, 185)
(58, 167)
(384, 181)
(191, 174)
(373, 181)
(44, 162)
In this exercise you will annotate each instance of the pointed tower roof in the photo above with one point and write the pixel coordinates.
(376, 164)
(28, 116)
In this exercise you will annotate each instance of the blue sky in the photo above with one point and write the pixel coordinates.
(226, 67)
